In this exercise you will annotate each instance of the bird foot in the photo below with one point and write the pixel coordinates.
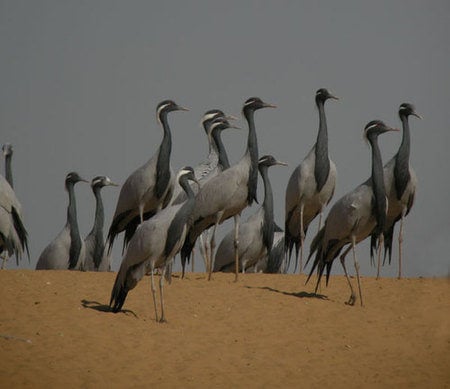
(162, 320)
(351, 301)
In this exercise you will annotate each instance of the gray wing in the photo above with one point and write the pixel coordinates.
(56, 254)
(135, 187)
(250, 245)
(89, 244)
(146, 245)
(13, 236)
(351, 215)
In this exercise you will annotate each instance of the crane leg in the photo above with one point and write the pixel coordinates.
(153, 290)
(400, 241)
(4, 258)
(320, 219)
(203, 250)
(302, 238)
(352, 299)
(213, 245)
(161, 293)
(236, 245)
(380, 245)
(141, 212)
(355, 261)
(207, 243)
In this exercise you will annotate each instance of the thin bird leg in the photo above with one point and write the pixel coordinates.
(141, 212)
(380, 245)
(357, 269)
(207, 244)
(320, 218)
(352, 299)
(302, 237)
(192, 261)
(213, 244)
(4, 259)
(236, 245)
(203, 251)
(161, 293)
(400, 241)
(153, 290)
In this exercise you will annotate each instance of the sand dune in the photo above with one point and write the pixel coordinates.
(264, 331)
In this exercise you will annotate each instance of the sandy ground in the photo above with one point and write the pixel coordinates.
(263, 331)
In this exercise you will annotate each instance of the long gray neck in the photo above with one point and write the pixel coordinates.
(206, 125)
(97, 230)
(378, 188)
(322, 164)
(221, 152)
(75, 239)
(99, 210)
(8, 170)
(252, 150)
(268, 225)
(401, 168)
(187, 188)
(163, 163)
(180, 221)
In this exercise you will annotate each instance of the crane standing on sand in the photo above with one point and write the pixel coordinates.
(149, 188)
(400, 181)
(67, 250)
(97, 259)
(256, 234)
(228, 193)
(353, 217)
(310, 187)
(154, 246)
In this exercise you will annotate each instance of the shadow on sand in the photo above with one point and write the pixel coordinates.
(301, 294)
(96, 306)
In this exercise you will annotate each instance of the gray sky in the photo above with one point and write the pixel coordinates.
(80, 81)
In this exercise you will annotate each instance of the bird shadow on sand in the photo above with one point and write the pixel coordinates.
(301, 294)
(96, 306)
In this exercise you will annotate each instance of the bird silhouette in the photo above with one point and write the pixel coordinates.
(229, 192)
(149, 188)
(97, 258)
(67, 250)
(310, 187)
(353, 217)
(256, 234)
(153, 246)
(400, 181)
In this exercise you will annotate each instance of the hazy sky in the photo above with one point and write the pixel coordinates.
(80, 81)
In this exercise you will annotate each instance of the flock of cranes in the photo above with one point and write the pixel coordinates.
(162, 214)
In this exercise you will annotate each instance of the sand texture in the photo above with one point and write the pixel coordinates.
(264, 331)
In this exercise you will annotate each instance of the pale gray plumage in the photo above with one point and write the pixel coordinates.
(275, 261)
(354, 217)
(218, 162)
(400, 181)
(13, 235)
(149, 188)
(153, 246)
(255, 235)
(310, 187)
(212, 164)
(228, 193)
(97, 258)
(67, 250)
